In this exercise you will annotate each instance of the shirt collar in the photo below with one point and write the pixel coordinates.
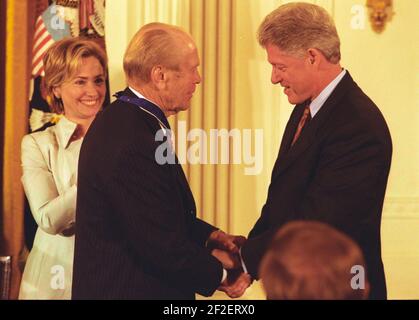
(64, 130)
(139, 95)
(317, 103)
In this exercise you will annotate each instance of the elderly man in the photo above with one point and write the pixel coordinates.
(137, 235)
(335, 154)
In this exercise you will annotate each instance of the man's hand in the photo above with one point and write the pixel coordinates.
(236, 283)
(228, 259)
(221, 240)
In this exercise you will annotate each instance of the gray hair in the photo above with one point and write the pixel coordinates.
(297, 27)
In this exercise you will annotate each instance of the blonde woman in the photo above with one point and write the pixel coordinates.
(75, 73)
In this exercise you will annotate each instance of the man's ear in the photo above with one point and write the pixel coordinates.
(314, 56)
(158, 76)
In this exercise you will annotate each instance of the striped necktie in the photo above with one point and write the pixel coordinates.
(304, 119)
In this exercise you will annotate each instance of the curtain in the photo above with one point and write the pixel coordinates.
(18, 29)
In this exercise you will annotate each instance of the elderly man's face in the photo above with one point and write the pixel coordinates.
(182, 83)
(292, 73)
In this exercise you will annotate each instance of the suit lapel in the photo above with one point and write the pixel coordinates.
(287, 158)
(290, 129)
(304, 141)
(185, 187)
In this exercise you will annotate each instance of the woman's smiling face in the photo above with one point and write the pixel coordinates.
(83, 95)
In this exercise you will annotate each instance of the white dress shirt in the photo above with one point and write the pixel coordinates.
(319, 101)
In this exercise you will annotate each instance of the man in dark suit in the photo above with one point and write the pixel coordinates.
(137, 234)
(335, 154)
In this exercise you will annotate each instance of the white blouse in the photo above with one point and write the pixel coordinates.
(49, 163)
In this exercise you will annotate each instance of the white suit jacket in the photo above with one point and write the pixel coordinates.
(49, 163)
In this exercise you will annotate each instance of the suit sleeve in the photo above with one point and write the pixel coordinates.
(200, 231)
(53, 212)
(156, 227)
(353, 165)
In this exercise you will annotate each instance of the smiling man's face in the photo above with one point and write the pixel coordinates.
(294, 74)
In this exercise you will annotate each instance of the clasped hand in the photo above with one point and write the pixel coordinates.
(226, 249)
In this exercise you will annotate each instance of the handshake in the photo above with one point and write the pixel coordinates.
(226, 248)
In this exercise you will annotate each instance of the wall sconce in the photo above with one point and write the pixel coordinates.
(380, 11)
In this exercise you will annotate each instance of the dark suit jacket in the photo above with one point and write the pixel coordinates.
(137, 235)
(336, 173)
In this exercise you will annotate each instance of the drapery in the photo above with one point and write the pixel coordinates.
(16, 29)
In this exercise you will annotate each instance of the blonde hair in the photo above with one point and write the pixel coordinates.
(297, 27)
(63, 59)
(311, 260)
(154, 44)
